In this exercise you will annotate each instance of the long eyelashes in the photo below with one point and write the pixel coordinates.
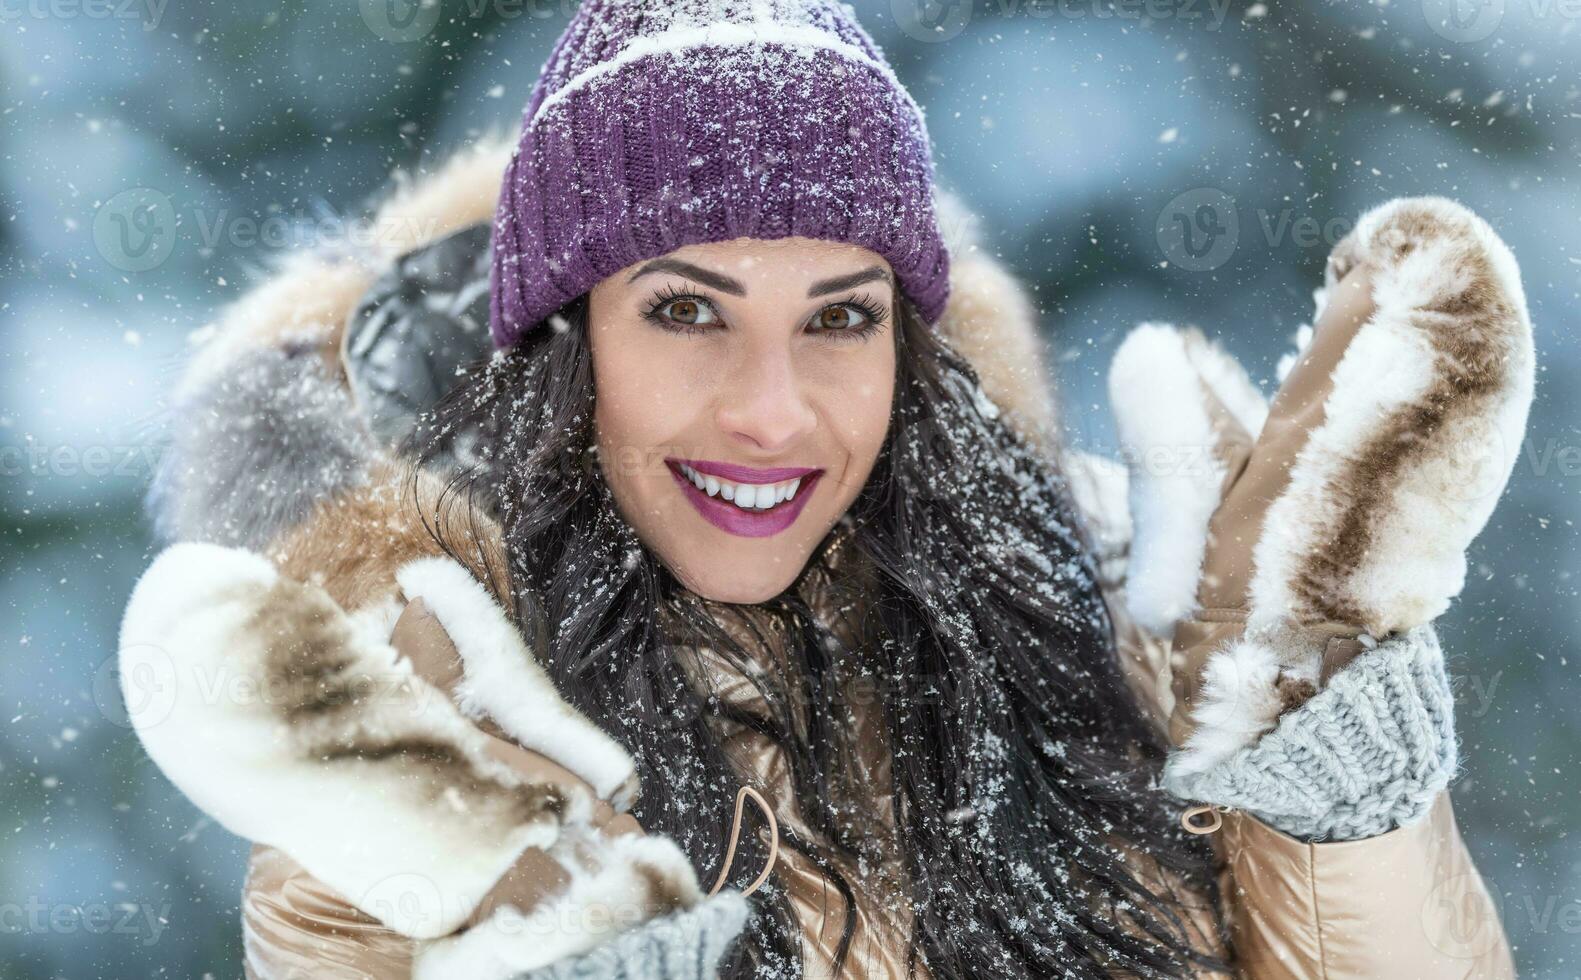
(873, 314)
(653, 310)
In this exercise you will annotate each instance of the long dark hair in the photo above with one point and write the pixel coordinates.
(1023, 777)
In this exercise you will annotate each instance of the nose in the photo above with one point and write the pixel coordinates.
(764, 405)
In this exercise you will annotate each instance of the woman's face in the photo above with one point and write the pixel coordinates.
(743, 393)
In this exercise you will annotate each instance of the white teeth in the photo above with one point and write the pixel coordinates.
(747, 496)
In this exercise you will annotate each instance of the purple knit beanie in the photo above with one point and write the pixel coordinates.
(663, 123)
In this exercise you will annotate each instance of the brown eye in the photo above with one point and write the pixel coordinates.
(837, 318)
(690, 312)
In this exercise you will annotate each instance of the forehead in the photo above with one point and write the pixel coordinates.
(778, 258)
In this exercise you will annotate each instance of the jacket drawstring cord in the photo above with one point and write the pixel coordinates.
(1189, 818)
(735, 838)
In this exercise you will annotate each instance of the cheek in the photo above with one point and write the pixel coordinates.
(623, 431)
(873, 401)
(641, 400)
(857, 401)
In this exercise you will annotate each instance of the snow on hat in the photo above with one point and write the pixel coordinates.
(661, 124)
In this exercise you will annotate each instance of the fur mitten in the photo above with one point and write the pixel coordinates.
(1276, 542)
(296, 723)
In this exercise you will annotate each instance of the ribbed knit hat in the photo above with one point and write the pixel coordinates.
(659, 124)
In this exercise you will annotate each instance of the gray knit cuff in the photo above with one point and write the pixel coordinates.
(1367, 754)
(687, 945)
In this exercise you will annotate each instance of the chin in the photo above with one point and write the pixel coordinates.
(721, 586)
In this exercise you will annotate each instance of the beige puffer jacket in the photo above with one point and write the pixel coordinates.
(1409, 903)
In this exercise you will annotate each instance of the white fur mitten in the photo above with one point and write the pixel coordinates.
(1276, 542)
(295, 723)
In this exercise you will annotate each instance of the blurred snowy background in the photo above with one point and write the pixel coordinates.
(1082, 131)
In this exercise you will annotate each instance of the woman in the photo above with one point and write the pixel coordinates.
(761, 488)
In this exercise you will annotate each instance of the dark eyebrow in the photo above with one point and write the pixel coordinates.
(717, 280)
(851, 281)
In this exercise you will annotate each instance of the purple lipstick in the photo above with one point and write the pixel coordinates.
(745, 500)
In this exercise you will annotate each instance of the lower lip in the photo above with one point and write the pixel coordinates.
(747, 523)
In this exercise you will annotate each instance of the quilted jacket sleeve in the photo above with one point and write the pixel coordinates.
(1408, 903)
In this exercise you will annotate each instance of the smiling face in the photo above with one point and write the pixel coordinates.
(742, 394)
